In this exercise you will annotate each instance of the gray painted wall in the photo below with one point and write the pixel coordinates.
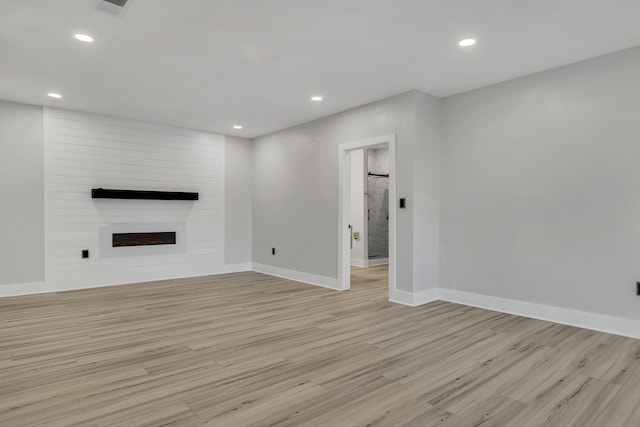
(426, 198)
(22, 192)
(238, 201)
(541, 188)
(295, 193)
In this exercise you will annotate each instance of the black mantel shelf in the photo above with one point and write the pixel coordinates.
(103, 193)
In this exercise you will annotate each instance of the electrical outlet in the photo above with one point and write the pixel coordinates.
(273, 251)
(638, 288)
(85, 253)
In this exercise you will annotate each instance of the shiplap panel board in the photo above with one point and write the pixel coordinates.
(118, 126)
(122, 141)
(89, 149)
(130, 161)
(72, 168)
(85, 151)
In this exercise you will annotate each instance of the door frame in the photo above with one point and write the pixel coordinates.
(344, 206)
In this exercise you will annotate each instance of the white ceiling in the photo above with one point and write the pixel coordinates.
(209, 64)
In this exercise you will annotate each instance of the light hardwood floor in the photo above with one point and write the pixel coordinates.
(250, 349)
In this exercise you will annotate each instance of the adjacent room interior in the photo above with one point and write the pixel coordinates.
(349, 213)
(369, 217)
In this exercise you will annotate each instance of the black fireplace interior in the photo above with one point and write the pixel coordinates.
(144, 239)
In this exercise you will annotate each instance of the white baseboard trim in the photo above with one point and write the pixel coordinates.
(24, 289)
(377, 261)
(413, 299)
(565, 316)
(358, 262)
(401, 297)
(31, 288)
(236, 268)
(425, 297)
(364, 263)
(298, 276)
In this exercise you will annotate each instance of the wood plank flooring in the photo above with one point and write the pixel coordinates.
(249, 349)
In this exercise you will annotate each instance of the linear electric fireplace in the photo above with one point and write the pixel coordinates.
(144, 239)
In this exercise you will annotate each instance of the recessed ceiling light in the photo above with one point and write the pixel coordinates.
(316, 98)
(467, 42)
(84, 38)
(237, 127)
(54, 95)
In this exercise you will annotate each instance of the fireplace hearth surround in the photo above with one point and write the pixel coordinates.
(117, 240)
(143, 239)
(133, 239)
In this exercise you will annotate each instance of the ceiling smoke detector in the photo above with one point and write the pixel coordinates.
(114, 7)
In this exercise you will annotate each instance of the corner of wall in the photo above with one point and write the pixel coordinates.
(238, 191)
(427, 192)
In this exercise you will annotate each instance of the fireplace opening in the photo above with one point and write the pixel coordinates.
(144, 239)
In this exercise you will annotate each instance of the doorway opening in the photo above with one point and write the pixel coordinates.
(367, 217)
(369, 207)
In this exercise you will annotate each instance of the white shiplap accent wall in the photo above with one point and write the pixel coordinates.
(84, 151)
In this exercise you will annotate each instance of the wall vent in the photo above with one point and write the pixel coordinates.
(114, 7)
